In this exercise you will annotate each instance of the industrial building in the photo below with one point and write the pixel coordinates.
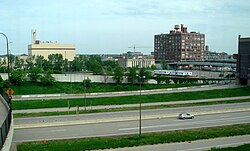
(37, 47)
(179, 45)
(243, 61)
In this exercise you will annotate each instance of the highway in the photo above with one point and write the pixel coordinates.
(127, 115)
(121, 127)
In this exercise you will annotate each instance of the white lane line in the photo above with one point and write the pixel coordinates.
(60, 130)
(177, 124)
(217, 146)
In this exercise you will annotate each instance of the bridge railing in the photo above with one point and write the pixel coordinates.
(5, 127)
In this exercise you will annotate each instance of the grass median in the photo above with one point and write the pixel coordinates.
(167, 97)
(135, 140)
(23, 115)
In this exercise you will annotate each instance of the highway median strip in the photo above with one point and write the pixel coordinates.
(135, 140)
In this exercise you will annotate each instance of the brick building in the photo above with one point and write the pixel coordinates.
(179, 45)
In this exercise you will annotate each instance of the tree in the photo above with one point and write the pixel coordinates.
(30, 62)
(17, 63)
(39, 61)
(131, 75)
(17, 77)
(86, 83)
(164, 65)
(94, 64)
(47, 80)
(118, 74)
(144, 75)
(47, 65)
(57, 61)
(35, 74)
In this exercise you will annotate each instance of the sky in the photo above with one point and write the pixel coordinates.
(111, 26)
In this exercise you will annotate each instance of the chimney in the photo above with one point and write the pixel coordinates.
(33, 36)
(181, 27)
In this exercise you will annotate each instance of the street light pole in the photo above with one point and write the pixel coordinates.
(140, 110)
(8, 57)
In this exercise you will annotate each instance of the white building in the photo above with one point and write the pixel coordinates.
(136, 59)
(46, 48)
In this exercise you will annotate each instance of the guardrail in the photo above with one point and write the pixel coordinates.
(5, 127)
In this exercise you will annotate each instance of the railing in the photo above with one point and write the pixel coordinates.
(5, 127)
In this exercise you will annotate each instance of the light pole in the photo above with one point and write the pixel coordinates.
(8, 57)
(140, 78)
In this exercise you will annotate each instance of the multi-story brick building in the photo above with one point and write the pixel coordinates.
(179, 45)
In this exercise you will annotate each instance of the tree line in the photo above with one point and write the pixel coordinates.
(38, 69)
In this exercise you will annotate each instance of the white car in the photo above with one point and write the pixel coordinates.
(185, 116)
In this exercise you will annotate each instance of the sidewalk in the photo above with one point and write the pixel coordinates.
(127, 105)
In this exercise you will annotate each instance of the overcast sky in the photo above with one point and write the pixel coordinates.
(111, 26)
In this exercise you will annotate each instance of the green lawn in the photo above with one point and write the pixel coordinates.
(77, 87)
(135, 140)
(243, 91)
(245, 147)
(22, 115)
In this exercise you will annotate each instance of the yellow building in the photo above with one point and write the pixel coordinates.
(46, 48)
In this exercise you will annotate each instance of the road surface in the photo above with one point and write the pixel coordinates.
(127, 115)
(127, 127)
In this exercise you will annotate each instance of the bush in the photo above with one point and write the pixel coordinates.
(47, 80)
(17, 77)
(86, 83)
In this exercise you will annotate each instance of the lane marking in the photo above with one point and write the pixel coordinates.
(62, 130)
(189, 123)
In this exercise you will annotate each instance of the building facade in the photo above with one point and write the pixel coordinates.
(68, 51)
(136, 59)
(243, 62)
(179, 45)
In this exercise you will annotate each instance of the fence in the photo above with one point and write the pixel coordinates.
(5, 127)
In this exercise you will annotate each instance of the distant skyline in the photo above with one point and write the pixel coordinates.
(111, 26)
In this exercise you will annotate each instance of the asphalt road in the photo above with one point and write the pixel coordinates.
(127, 115)
(127, 127)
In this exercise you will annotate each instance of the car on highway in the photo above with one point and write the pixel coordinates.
(185, 115)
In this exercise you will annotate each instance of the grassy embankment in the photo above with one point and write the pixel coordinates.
(135, 140)
(28, 88)
(35, 104)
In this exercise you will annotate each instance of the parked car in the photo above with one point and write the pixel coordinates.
(185, 116)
